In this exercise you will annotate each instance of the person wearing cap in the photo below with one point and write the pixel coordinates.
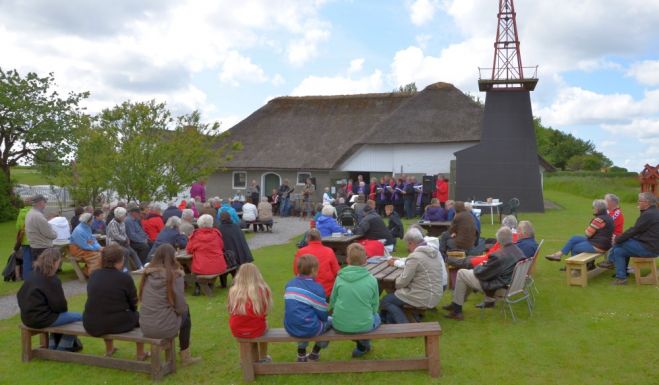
(139, 240)
(39, 233)
(84, 247)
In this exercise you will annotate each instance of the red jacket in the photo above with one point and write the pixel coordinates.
(328, 266)
(618, 221)
(247, 325)
(152, 225)
(206, 245)
(441, 190)
(373, 247)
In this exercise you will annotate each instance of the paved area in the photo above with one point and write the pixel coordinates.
(283, 230)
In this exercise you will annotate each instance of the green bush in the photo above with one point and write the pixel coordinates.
(8, 201)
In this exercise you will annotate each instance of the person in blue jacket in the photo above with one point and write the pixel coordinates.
(305, 309)
(227, 208)
(170, 234)
(326, 223)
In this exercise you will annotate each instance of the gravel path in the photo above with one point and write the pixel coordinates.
(283, 230)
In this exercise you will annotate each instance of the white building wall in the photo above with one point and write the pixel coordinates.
(414, 158)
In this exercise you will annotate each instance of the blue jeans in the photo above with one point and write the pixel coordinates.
(27, 262)
(284, 207)
(391, 310)
(327, 325)
(62, 319)
(366, 344)
(578, 244)
(621, 252)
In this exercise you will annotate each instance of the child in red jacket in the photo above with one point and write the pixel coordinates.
(249, 302)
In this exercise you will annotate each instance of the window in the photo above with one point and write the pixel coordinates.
(302, 177)
(239, 179)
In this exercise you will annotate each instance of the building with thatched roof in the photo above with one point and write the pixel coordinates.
(333, 138)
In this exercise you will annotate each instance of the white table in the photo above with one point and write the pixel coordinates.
(491, 205)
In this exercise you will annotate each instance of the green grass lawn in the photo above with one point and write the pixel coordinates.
(594, 335)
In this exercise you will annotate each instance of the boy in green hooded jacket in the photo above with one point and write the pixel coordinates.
(355, 299)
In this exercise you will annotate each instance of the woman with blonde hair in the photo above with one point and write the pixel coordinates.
(249, 302)
(164, 312)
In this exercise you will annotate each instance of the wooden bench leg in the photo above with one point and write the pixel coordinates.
(26, 345)
(156, 367)
(247, 359)
(647, 263)
(170, 355)
(432, 354)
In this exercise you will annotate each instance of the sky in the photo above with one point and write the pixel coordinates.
(598, 59)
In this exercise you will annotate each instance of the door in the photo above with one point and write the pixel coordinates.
(269, 181)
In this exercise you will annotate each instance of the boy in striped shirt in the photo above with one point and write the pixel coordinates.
(305, 313)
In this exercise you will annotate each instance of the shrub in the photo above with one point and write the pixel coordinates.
(8, 201)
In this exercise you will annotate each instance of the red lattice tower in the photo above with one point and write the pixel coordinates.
(507, 72)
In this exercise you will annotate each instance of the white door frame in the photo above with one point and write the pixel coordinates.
(263, 192)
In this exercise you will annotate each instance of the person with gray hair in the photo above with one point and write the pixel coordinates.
(39, 233)
(171, 211)
(420, 283)
(83, 245)
(207, 249)
(172, 235)
(116, 234)
(613, 208)
(597, 239)
(187, 222)
(641, 240)
(326, 223)
(494, 274)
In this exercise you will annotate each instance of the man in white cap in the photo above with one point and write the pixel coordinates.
(39, 233)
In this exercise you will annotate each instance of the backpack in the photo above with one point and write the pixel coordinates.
(9, 273)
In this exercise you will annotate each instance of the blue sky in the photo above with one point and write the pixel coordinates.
(599, 61)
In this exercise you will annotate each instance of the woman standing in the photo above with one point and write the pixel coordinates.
(164, 312)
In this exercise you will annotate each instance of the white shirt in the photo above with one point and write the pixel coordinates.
(327, 199)
(249, 212)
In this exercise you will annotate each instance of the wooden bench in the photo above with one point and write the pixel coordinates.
(431, 331)
(207, 282)
(645, 263)
(451, 270)
(157, 367)
(576, 268)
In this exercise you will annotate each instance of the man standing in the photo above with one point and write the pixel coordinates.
(494, 274)
(420, 283)
(284, 193)
(39, 233)
(641, 240)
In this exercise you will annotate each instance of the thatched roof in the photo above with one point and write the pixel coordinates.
(319, 132)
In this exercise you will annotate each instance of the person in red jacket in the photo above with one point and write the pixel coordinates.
(441, 189)
(249, 302)
(206, 245)
(153, 223)
(613, 208)
(328, 266)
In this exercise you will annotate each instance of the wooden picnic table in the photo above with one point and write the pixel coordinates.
(435, 229)
(385, 274)
(340, 245)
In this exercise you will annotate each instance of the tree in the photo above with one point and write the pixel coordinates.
(406, 89)
(558, 148)
(34, 119)
(146, 154)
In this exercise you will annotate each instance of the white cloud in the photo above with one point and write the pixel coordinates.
(423, 11)
(340, 85)
(302, 50)
(422, 40)
(640, 128)
(238, 68)
(277, 80)
(645, 72)
(356, 65)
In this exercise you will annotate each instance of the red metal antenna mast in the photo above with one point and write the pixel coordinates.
(507, 72)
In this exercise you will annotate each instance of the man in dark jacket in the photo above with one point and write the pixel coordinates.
(171, 211)
(641, 240)
(373, 227)
(494, 274)
(462, 233)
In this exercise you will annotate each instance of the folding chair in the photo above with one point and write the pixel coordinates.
(530, 282)
(517, 290)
